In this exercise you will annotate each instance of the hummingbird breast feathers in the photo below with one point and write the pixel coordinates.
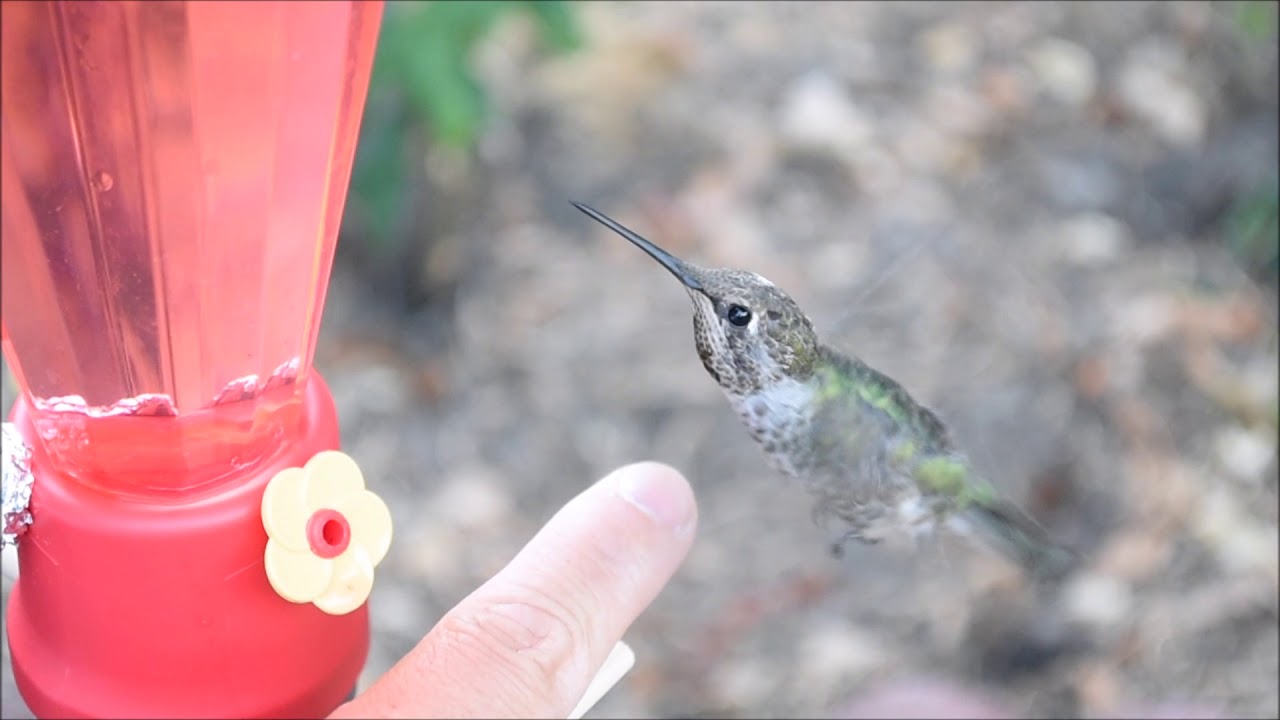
(778, 417)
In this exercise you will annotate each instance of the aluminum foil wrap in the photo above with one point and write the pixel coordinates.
(151, 404)
(250, 386)
(17, 481)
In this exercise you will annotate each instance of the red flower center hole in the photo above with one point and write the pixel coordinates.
(334, 532)
(328, 533)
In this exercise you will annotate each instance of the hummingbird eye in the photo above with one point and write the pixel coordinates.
(738, 316)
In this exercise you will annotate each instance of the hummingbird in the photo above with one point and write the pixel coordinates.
(874, 459)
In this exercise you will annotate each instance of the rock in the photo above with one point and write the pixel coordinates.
(471, 499)
(835, 265)
(1008, 27)
(1065, 70)
(1244, 453)
(371, 390)
(1098, 601)
(1097, 687)
(817, 113)
(1136, 555)
(1080, 182)
(1164, 711)
(397, 609)
(1145, 319)
(878, 171)
(1154, 85)
(1241, 543)
(744, 682)
(920, 147)
(1092, 238)
(1006, 89)
(1261, 380)
(835, 653)
(920, 200)
(949, 48)
(432, 553)
(958, 111)
(923, 697)
(1250, 547)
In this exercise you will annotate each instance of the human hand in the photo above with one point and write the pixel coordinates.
(528, 641)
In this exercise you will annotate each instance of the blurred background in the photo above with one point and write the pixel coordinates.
(1054, 222)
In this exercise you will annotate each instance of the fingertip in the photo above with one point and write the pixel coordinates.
(660, 492)
(532, 637)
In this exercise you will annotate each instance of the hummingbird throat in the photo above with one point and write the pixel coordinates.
(777, 416)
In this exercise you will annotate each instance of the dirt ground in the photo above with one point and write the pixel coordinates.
(1016, 209)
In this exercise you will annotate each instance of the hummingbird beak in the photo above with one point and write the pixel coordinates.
(683, 272)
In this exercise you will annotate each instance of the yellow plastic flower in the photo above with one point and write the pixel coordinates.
(326, 533)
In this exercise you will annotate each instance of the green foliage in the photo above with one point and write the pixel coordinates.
(423, 82)
(1256, 19)
(1252, 229)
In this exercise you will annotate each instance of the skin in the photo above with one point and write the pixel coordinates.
(528, 641)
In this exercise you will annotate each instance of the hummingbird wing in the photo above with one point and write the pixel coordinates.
(866, 425)
(874, 445)
(867, 438)
(855, 470)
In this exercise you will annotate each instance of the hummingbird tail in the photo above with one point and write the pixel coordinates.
(1015, 535)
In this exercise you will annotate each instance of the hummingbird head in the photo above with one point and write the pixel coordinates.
(749, 334)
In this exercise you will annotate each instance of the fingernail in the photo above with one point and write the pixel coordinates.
(658, 492)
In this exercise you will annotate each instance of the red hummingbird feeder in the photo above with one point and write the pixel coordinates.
(190, 540)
